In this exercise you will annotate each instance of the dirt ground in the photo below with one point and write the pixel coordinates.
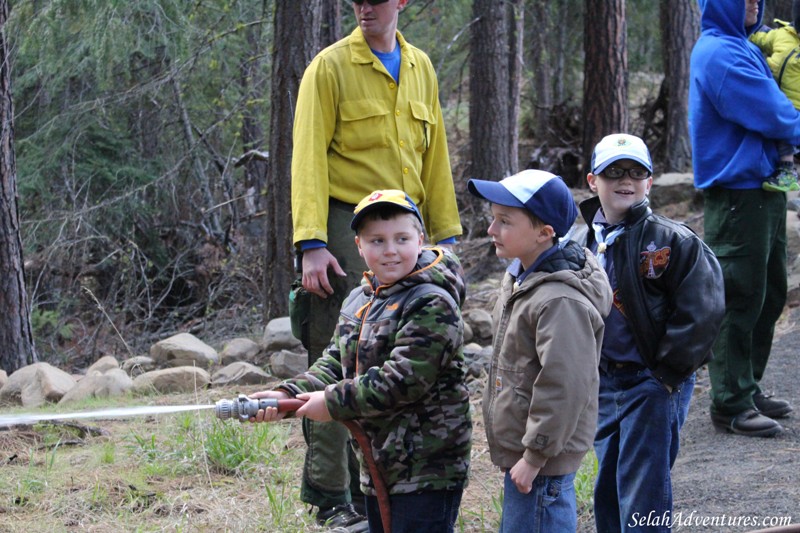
(725, 476)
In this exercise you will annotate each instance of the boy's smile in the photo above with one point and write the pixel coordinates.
(390, 248)
(618, 195)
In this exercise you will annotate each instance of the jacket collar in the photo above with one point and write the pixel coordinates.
(636, 213)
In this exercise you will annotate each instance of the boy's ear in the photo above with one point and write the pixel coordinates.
(591, 179)
(546, 233)
(358, 245)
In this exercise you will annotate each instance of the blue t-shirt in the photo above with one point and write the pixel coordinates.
(391, 61)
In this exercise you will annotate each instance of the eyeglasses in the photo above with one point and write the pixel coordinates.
(636, 173)
(370, 2)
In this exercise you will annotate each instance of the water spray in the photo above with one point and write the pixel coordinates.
(242, 408)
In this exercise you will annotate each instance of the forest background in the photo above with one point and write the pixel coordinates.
(145, 146)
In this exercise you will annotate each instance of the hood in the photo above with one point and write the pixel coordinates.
(727, 17)
(589, 279)
(435, 265)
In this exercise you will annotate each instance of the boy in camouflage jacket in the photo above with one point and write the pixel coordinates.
(395, 365)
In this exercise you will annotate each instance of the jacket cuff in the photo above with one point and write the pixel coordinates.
(534, 458)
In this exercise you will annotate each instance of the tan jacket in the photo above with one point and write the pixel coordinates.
(541, 397)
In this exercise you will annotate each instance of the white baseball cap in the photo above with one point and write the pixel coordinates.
(620, 146)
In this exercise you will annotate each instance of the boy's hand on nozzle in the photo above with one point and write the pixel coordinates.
(270, 414)
(522, 474)
(315, 271)
(315, 407)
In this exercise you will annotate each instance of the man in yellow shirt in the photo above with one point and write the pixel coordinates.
(367, 118)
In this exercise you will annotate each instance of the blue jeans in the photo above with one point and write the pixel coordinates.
(549, 507)
(433, 511)
(637, 441)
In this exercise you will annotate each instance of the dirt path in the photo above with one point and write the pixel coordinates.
(729, 477)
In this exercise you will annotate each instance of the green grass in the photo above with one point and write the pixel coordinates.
(189, 472)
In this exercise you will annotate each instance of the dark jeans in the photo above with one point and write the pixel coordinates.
(420, 512)
(747, 231)
(331, 471)
(637, 441)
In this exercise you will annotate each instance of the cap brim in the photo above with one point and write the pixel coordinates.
(494, 192)
(368, 209)
(600, 168)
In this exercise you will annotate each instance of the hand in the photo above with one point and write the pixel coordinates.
(522, 474)
(315, 271)
(270, 414)
(315, 407)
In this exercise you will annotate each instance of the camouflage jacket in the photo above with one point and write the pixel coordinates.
(395, 365)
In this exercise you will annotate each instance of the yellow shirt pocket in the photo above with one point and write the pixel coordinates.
(424, 120)
(364, 124)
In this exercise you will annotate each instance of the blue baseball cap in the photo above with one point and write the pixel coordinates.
(542, 193)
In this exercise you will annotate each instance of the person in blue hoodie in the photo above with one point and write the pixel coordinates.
(737, 118)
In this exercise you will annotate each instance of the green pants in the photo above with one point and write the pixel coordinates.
(331, 471)
(746, 229)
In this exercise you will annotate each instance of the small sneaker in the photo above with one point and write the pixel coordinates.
(342, 517)
(784, 179)
(771, 407)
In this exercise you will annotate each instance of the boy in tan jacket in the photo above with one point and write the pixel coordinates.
(540, 403)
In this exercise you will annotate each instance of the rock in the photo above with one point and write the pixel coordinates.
(136, 366)
(468, 335)
(183, 349)
(286, 364)
(674, 188)
(477, 358)
(3, 378)
(481, 322)
(178, 379)
(240, 373)
(114, 382)
(240, 349)
(103, 365)
(278, 335)
(36, 384)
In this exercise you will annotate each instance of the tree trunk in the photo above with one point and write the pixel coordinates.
(605, 83)
(489, 92)
(543, 65)
(516, 19)
(296, 41)
(16, 336)
(254, 83)
(331, 30)
(680, 27)
(777, 9)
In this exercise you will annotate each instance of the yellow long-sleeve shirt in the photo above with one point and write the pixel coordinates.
(356, 131)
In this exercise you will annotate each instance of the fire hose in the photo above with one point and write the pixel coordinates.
(243, 408)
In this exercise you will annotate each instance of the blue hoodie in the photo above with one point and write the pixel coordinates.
(737, 114)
